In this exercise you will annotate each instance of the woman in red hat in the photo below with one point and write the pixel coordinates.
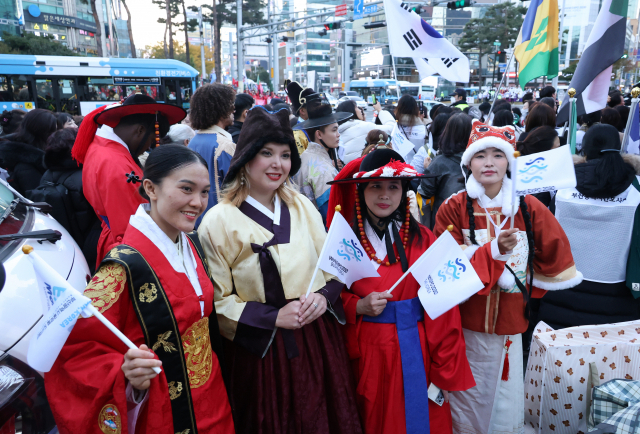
(494, 319)
(288, 363)
(400, 356)
(108, 144)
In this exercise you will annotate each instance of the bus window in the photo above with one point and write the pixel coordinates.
(185, 91)
(68, 96)
(151, 91)
(170, 92)
(44, 94)
(20, 88)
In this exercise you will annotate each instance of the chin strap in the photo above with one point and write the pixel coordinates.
(332, 154)
(385, 222)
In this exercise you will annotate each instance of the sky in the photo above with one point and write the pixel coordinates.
(145, 26)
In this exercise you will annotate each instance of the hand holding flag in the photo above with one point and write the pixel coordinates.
(445, 276)
(342, 254)
(62, 304)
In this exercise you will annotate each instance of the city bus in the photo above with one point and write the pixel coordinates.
(386, 91)
(79, 85)
(407, 88)
(428, 88)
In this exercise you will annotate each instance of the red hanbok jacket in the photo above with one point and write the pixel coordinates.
(375, 351)
(86, 387)
(104, 183)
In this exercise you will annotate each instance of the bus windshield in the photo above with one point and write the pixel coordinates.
(409, 90)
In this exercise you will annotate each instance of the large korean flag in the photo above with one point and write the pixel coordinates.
(545, 171)
(445, 276)
(411, 36)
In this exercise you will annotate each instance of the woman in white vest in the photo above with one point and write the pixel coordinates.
(598, 218)
(353, 132)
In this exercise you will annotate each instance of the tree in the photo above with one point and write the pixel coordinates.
(96, 19)
(226, 13)
(188, 25)
(157, 52)
(32, 44)
(172, 11)
(501, 23)
(133, 46)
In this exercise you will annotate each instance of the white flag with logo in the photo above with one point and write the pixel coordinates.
(400, 143)
(342, 254)
(445, 276)
(545, 171)
(63, 305)
(411, 36)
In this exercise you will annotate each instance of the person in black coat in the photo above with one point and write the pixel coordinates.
(72, 211)
(243, 104)
(22, 153)
(598, 218)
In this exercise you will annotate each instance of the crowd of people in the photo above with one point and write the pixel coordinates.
(203, 230)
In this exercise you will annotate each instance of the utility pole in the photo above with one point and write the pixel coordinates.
(562, 14)
(231, 67)
(240, 47)
(270, 44)
(202, 59)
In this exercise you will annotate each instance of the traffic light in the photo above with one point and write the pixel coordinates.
(624, 56)
(268, 40)
(333, 26)
(417, 9)
(285, 39)
(323, 32)
(459, 4)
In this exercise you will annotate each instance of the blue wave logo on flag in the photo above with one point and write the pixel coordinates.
(53, 292)
(350, 250)
(451, 271)
(533, 170)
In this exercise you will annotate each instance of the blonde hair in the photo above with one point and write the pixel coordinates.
(236, 192)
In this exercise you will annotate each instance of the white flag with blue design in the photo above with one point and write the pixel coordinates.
(545, 171)
(342, 254)
(411, 36)
(445, 276)
(62, 305)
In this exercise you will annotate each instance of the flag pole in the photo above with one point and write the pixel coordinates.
(324, 246)
(506, 71)
(406, 273)
(571, 139)
(635, 93)
(514, 194)
(395, 73)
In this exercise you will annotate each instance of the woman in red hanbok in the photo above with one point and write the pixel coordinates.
(399, 355)
(156, 289)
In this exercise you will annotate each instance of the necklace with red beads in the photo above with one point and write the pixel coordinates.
(404, 232)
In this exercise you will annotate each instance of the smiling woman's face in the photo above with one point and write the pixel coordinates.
(270, 168)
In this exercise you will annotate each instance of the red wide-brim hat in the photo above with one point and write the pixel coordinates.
(139, 104)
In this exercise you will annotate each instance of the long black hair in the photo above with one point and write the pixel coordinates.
(530, 240)
(10, 121)
(456, 134)
(35, 128)
(349, 107)
(166, 159)
(612, 174)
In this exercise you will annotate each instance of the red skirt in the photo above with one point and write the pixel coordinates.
(313, 393)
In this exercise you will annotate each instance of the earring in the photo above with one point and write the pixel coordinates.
(243, 181)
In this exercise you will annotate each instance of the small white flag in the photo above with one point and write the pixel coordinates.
(445, 276)
(401, 144)
(545, 171)
(342, 254)
(63, 306)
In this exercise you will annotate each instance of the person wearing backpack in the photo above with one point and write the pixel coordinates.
(61, 187)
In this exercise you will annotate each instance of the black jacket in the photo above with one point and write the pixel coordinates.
(592, 302)
(448, 180)
(25, 164)
(78, 218)
(234, 130)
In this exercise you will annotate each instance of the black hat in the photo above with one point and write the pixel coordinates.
(320, 114)
(382, 164)
(299, 96)
(459, 92)
(261, 127)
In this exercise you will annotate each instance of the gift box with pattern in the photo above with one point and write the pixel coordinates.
(557, 372)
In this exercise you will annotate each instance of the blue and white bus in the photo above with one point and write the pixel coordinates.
(78, 85)
(386, 91)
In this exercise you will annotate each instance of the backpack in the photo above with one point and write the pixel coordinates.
(57, 195)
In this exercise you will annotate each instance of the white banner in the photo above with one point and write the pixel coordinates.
(64, 305)
(545, 171)
(445, 276)
(400, 143)
(342, 254)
